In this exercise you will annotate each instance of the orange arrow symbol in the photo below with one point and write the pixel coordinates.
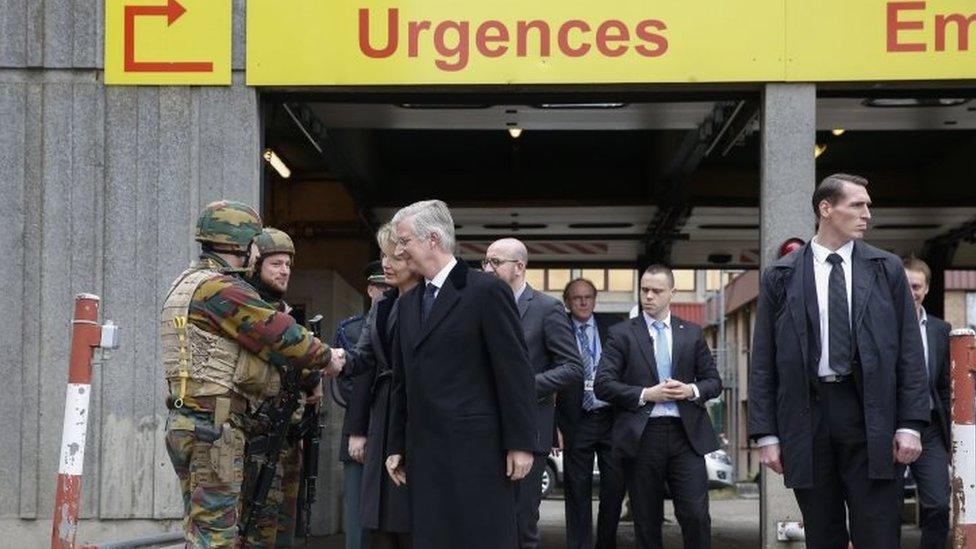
(172, 11)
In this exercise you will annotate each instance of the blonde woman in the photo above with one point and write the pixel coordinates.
(385, 507)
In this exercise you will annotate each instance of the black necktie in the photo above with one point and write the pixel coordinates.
(427, 301)
(838, 318)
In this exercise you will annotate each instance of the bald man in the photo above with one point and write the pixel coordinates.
(556, 362)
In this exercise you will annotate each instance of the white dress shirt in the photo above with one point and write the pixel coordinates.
(821, 272)
(660, 411)
(520, 291)
(441, 276)
(923, 320)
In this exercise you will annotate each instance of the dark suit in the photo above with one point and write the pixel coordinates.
(556, 363)
(463, 398)
(585, 435)
(661, 449)
(385, 506)
(836, 438)
(931, 470)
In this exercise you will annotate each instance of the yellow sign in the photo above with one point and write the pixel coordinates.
(345, 42)
(168, 42)
(880, 40)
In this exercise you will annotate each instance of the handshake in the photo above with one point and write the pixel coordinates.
(336, 363)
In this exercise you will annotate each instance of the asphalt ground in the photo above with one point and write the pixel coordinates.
(735, 525)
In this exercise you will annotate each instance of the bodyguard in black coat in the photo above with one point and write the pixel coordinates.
(464, 418)
(931, 469)
(837, 390)
(658, 372)
(556, 362)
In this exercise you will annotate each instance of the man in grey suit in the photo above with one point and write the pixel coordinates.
(554, 358)
(931, 469)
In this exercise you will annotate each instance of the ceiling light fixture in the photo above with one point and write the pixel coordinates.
(277, 163)
(581, 105)
(819, 149)
(838, 132)
(909, 102)
(515, 132)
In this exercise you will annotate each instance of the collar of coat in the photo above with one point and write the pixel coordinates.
(459, 274)
(862, 250)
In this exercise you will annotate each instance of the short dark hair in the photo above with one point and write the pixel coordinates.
(578, 280)
(831, 189)
(658, 268)
(912, 263)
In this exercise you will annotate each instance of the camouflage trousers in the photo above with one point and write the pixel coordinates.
(210, 466)
(274, 522)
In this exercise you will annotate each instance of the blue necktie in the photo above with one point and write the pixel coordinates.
(427, 301)
(590, 401)
(662, 357)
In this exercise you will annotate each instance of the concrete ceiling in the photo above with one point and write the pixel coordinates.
(848, 113)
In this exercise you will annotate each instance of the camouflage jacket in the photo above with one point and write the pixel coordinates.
(228, 306)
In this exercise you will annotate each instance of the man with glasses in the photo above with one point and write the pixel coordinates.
(585, 423)
(555, 361)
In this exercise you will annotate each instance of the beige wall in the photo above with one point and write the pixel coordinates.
(955, 308)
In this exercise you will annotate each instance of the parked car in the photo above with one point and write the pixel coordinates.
(718, 466)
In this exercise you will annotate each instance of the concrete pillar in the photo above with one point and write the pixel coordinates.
(788, 174)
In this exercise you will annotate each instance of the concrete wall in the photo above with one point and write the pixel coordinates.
(98, 193)
(325, 292)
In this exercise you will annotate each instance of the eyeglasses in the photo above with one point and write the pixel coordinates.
(495, 262)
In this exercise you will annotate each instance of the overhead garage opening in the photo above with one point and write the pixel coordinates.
(598, 187)
(605, 181)
(583, 182)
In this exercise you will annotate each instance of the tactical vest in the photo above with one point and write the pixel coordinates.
(198, 363)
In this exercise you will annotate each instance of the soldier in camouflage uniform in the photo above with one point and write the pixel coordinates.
(274, 523)
(223, 347)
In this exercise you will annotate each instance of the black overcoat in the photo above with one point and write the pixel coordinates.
(463, 396)
(889, 368)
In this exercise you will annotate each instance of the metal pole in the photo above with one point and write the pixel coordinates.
(86, 335)
(962, 346)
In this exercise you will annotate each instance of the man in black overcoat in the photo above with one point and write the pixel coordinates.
(463, 425)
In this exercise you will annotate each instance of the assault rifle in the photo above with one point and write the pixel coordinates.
(309, 431)
(274, 420)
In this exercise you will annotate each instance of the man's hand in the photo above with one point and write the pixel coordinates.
(769, 456)
(654, 394)
(907, 448)
(676, 390)
(357, 448)
(316, 396)
(394, 468)
(518, 464)
(334, 367)
(559, 444)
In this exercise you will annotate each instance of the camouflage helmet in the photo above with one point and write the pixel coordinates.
(274, 241)
(228, 222)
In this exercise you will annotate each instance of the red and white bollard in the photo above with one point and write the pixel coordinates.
(86, 335)
(962, 347)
